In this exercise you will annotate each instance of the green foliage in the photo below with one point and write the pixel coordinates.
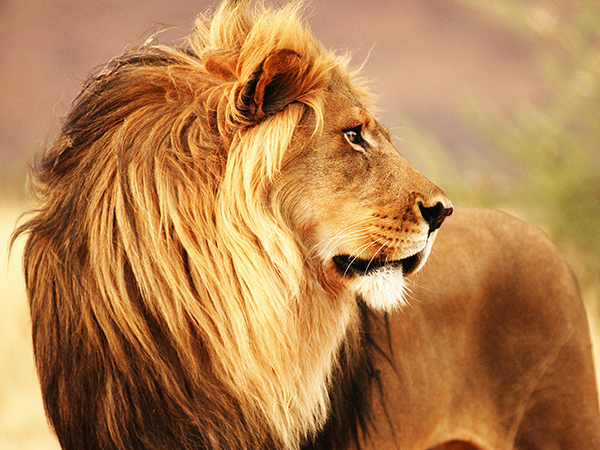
(558, 144)
(554, 147)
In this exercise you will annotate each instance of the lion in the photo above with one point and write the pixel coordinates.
(229, 253)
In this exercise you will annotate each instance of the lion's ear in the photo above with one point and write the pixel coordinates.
(278, 81)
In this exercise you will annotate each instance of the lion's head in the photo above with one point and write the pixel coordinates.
(210, 219)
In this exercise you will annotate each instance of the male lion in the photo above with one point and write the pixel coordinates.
(222, 247)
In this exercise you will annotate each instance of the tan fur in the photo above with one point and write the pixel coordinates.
(213, 224)
(493, 352)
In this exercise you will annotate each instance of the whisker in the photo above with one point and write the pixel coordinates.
(362, 249)
(339, 237)
(377, 252)
(414, 283)
(357, 253)
(409, 295)
(333, 242)
(391, 245)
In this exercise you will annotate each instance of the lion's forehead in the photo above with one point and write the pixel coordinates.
(341, 87)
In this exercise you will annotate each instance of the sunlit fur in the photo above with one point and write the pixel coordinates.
(382, 290)
(170, 301)
(185, 269)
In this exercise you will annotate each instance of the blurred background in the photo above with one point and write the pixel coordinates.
(497, 102)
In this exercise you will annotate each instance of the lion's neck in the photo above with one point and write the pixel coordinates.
(350, 391)
(293, 392)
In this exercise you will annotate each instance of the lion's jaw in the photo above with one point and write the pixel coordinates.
(382, 285)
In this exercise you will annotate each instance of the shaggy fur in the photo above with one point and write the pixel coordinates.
(171, 302)
(216, 224)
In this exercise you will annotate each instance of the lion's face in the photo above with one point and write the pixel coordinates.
(367, 216)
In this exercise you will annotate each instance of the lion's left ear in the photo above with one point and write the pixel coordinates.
(278, 81)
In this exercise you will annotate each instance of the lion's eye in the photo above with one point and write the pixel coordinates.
(354, 136)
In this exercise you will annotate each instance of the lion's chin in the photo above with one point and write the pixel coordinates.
(380, 284)
(382, 290)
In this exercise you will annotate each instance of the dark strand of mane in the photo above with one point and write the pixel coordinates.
(82, 127)
(355, 385)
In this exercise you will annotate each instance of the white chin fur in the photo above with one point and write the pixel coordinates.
(382, 290)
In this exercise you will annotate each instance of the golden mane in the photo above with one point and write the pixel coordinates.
(216, 224)
(158, 258)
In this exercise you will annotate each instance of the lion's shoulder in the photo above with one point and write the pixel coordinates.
(507, 270)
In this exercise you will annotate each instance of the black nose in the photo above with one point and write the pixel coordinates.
(434, 215)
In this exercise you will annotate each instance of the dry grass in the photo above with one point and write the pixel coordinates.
(22, 422)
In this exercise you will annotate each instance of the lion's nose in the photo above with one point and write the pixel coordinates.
(435, 215)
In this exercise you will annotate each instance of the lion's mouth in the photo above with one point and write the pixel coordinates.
(350, 266)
